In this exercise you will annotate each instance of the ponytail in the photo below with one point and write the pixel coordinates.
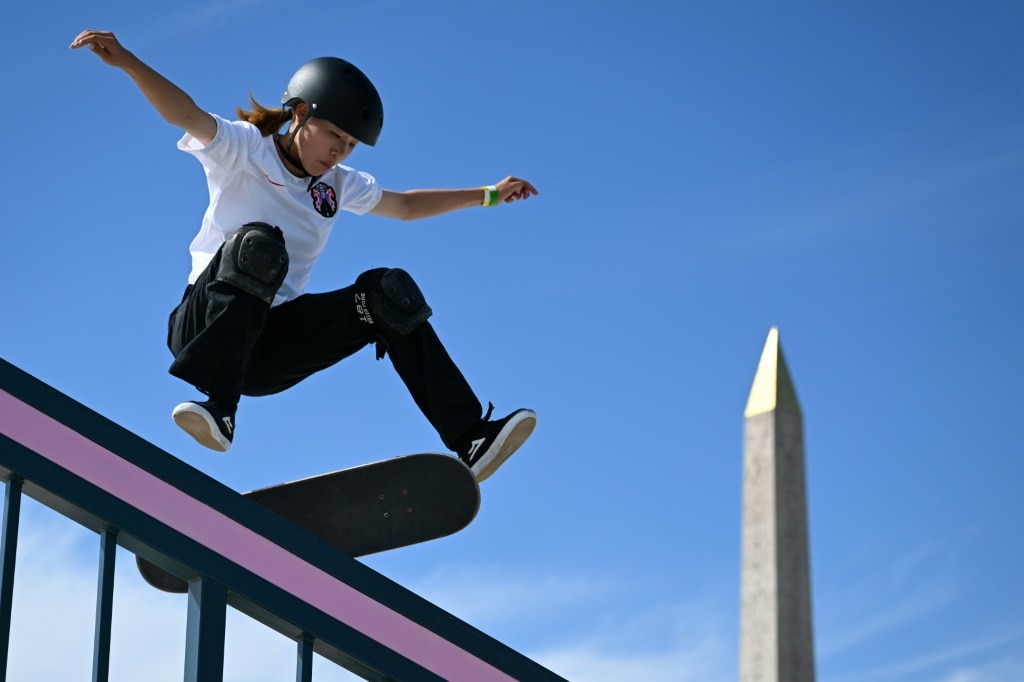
(269, 121)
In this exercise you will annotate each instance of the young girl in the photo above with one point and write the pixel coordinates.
(245, 325)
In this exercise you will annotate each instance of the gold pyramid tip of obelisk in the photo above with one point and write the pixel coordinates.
(773, 388)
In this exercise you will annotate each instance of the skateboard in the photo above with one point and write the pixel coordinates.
(367, 509)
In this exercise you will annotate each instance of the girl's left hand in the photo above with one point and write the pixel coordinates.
(510, 189)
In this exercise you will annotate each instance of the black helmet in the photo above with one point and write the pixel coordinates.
(337, 91)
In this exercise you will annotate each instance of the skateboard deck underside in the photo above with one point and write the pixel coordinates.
(366, 509)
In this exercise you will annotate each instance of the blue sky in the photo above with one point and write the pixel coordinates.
(852, 174)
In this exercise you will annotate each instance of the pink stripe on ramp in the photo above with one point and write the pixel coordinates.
(144, 491)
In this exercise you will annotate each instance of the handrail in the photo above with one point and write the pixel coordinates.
(230, 549)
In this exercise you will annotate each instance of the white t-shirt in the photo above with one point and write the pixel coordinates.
(248, 182)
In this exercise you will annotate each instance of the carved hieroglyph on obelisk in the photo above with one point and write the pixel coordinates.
(776, 634)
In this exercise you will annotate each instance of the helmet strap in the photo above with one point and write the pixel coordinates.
(286, 149)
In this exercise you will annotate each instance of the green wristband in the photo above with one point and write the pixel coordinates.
(491, 196)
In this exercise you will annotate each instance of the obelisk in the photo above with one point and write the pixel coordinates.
(776, 634)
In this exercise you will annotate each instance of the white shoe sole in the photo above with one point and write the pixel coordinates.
(512, 435)
(197, 423)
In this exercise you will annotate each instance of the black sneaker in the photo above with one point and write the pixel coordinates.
(489, 444)
(209, 422)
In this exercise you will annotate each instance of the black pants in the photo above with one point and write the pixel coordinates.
(228, 343)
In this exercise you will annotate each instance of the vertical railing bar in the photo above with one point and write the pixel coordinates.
(104, 606)
(9, 550)
(304, 669)
(204, 637)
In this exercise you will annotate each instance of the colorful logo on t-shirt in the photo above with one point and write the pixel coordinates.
(325, 201)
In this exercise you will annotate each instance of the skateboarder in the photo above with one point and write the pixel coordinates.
(245, 325)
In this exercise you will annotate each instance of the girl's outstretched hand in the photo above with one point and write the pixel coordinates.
(510, 189)
(170, 101)
(104, 45)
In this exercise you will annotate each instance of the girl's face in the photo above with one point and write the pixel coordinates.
(321, 145)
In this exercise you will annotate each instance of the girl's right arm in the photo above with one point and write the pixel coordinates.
(170, 101)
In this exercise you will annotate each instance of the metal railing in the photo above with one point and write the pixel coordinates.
(231, 551)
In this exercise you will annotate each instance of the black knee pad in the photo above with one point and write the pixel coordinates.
(394, 299)
(254, 259)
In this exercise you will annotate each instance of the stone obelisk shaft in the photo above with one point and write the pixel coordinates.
(776, 634)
